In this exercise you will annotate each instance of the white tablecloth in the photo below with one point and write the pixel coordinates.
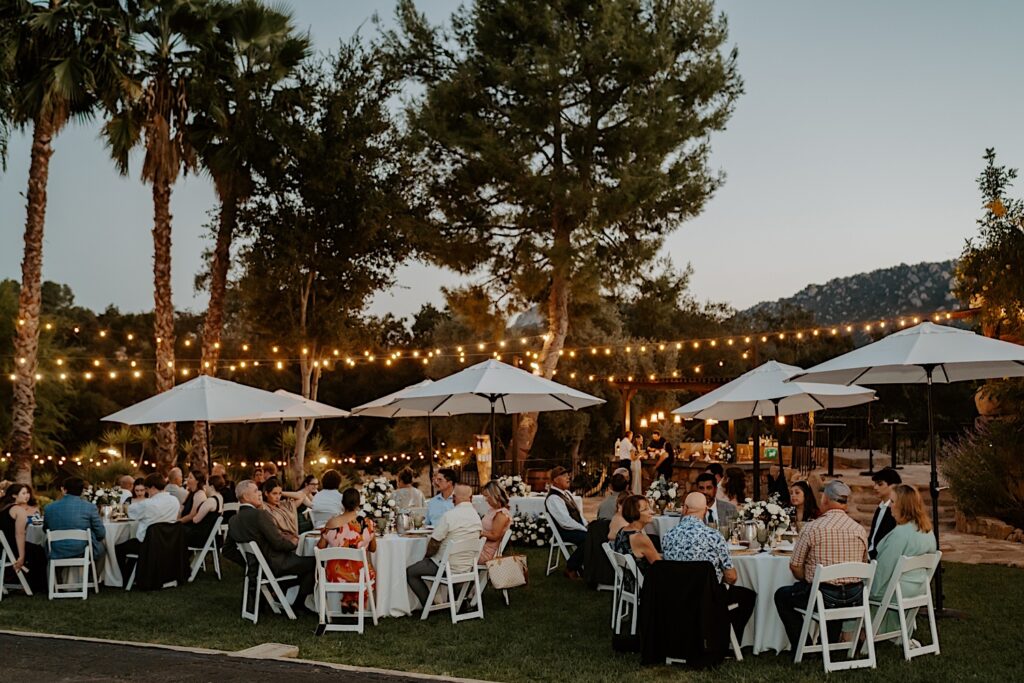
(533, 505)
(662, 524)
(110, 573)
(764, 573)
(394, 554)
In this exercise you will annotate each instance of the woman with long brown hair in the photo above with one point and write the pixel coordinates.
(912, 536)
(14, 520)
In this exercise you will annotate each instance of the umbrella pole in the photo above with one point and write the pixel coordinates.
(494, 443)
(933, 486)
(430, 453)
(757, 457)
(209, 450)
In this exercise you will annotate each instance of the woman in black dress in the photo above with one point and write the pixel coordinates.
(14, 523)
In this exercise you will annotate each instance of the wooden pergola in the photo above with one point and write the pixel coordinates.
(697, 385)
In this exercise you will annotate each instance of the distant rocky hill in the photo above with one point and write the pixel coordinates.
(882, 293)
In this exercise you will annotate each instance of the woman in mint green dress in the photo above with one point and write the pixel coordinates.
(912, 536)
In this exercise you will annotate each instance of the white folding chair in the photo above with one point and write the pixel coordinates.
(629, 595)
(449, 578)
(895, 600)
(559, 548)
(264, 583)
(817, 616)
(7, 559)
(73, 566)
(224, 510)
(500, 552)
(209, 548)
(617, 586)
(363, 587)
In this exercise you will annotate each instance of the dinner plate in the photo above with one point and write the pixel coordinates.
(418, 532)
(733, 547)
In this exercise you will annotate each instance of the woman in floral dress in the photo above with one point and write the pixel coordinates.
(349, 530)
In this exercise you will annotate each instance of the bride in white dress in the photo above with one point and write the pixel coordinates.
(636, 470)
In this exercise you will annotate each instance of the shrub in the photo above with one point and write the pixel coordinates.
(985, 471)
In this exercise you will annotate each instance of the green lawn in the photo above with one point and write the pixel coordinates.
(554, 630)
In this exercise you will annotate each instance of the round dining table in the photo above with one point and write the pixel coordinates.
(531, 504)
(764, 573)
(117, 531)
(394, 554)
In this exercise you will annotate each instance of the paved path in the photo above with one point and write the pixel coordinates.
(30, 658)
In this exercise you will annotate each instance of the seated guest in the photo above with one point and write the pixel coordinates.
(444, 482)
(258, 475)
(620, 481)
(310, 486)
(735, 486)
(833, 538)
(458, 524)
(720, 512)
(174, 487)
(72, 513)
(631, 539)
(911, 537)
(138, 491)
(718, 472)
(882, 522)
(269, 471)
(563, 512)
(203, 507)
(327, 502)
(803, 501)
(14, 521)
(778, 484)
(283, 506)
(159, 507)
(618, 521)
(350, 529)
(407, 495)
(228, 492)
(252, 524)
(127, 483)
(693, 541)
(496, 521)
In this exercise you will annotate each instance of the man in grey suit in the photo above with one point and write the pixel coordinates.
(72, 513)
(720, 512)
(253, 524)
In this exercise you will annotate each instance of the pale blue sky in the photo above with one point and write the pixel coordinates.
(855, 147)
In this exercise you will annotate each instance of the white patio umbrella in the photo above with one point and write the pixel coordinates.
(203, 399)
(765, 391)
(382, 407)
(301, 409)
(924, 354)
(493, 387)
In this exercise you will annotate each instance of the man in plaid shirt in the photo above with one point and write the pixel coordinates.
(833, 538)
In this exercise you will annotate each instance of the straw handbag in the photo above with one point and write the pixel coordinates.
(508, 571)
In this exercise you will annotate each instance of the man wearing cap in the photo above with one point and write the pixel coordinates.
(561, 508)
(833, 538)
(693, 541)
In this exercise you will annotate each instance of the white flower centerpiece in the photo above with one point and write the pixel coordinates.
(513, 485)
(662, 493)
(530, 530)
(707, 446)
(378, 501)
(725, 452)
(770, 517)
(104, 497)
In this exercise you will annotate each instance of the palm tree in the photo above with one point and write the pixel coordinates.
(171, 37)
(233, 131)
(58, 61)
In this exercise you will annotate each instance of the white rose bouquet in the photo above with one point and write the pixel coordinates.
(530, 530)
(662, 492)
(725, 452)
(767, 514)
(513, 485)
(377, 499)
(102, 495)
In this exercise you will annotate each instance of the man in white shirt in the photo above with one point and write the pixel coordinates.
(159, 507)
(174, 487)
(327, 501)
(882, 522)
(623, 449)
(127, 484)
(460, 523)
(564, 513)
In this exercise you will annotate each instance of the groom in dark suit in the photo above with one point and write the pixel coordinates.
(253, 524)
(882, 522)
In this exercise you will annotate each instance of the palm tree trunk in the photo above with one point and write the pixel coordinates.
(213, 325)
(163, 317)
(26, 344)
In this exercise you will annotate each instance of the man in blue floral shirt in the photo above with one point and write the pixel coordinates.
(694, 541)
